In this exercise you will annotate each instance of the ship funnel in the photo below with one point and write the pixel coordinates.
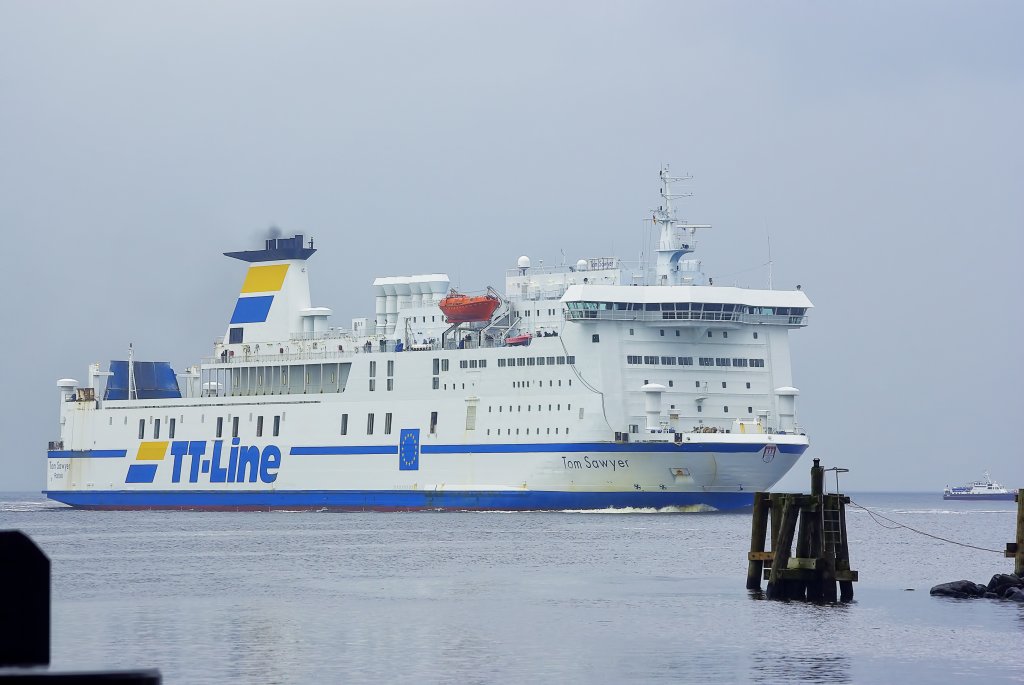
(274, 293)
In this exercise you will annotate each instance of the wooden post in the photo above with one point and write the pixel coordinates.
(758, 530)
(816, 532)
(777, 500)
(784, 542)
(1018, 560)
(843, 555)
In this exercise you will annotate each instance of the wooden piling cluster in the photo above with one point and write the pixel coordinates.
(1016, 549)
(822, 555)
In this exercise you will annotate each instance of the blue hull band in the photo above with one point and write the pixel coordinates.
(395, 500)
(547, 447)
(86, 454)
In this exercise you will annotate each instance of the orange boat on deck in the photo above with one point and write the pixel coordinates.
(459, 308)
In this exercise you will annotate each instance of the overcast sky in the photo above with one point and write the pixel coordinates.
(880, 144)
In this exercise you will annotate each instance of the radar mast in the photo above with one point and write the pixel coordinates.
(676, 239)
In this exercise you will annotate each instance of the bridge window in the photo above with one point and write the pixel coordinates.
(723, 361)
(707, 361)
(739, 362)
(668, 361)
(759, 363)
(235, 336)
(649, 359)
(686, 361)
(633, 359)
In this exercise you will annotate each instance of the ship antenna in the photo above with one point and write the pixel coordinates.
(132, 393)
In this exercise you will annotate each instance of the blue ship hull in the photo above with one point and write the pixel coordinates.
(353, 500)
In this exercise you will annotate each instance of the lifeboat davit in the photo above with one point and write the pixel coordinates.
(459, 308)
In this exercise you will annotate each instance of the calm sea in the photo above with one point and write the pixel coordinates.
(513, 597)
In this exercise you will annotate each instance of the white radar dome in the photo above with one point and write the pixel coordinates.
(523, 262)
(581, 265)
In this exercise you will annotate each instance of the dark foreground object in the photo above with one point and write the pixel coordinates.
(25, 621)
(1002, 586)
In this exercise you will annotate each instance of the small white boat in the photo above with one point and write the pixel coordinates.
(986, 489)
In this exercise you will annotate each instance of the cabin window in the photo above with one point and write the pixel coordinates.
(220, 426)
(156, 429)
(170, 429)
(437, 366)
(373, 384)
(726, 408)
(433, 423)
(369, 424)
(750, 410)
(387, 424)
(142, 428)
(391, 384)
(709, 334)
(344, 424)
(748, 386)
(277, 426)
(755, 335)
(444, 364)
(723, 384)
(596, 337)
(259, 426)
(391, 367)
(436, 383)
(235, 336)
(234, 427)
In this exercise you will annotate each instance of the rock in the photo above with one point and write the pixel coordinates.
(991, 595)
(959, 588)
(1001, 581)
(1015, 594)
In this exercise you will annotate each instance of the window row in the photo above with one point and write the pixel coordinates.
(536, 361)
(655, 360)
(219, 431)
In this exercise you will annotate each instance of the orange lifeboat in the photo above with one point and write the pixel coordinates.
(459, 308)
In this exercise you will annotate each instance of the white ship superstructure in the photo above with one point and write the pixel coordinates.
(587, 386)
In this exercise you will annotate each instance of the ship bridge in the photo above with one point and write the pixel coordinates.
(672, 304)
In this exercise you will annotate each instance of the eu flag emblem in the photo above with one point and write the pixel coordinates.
(409, 450)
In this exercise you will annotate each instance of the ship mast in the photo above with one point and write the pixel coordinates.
(676, 237)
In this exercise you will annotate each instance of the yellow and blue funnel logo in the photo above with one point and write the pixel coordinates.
(260, 279)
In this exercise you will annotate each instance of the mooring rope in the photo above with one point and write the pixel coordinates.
(896, 525)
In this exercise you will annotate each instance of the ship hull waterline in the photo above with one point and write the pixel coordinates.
(669, 478)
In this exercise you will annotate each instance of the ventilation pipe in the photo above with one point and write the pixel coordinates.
(652, 404)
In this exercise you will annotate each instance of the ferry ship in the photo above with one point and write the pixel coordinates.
(593, 385)
(985, 489)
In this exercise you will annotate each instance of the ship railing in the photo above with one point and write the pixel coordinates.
(677, 316)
